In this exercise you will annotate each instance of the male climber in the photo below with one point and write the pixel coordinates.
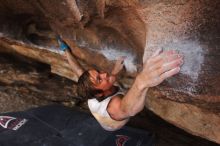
(110, 107)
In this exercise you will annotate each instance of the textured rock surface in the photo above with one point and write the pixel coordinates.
(100, 31)
(25, 83)
(192, 28)
(194, 31)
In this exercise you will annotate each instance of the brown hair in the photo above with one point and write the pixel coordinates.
(85, 87)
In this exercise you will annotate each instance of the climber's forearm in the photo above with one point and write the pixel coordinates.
(75, 66)
(134, 100)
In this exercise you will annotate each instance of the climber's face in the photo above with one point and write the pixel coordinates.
(101, 80)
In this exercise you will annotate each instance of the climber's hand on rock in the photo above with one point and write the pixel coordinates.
(118, 65)
(160, 66)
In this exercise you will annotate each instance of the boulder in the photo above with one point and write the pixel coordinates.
(100, 31)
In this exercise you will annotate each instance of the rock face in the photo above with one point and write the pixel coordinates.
(192, 28)
(100, 31)
(25, 83)
(191, 31)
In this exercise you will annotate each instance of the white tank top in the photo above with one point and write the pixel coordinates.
(100, 107)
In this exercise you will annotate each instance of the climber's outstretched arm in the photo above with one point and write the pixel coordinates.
(75, 66)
